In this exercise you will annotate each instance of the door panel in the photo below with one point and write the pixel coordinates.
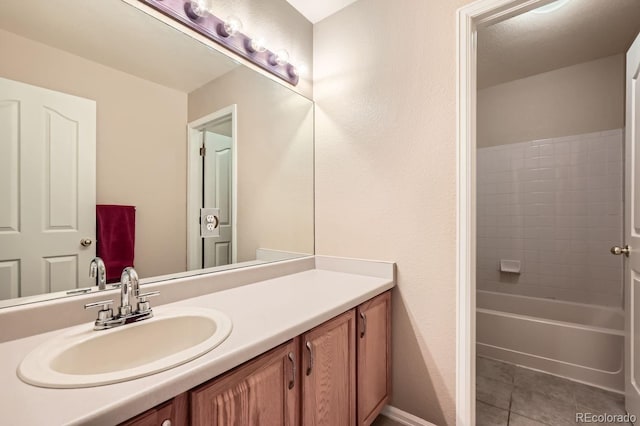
(9, 165)
(223, 181)
(47, 188)
(374, 357)
(217, 193)
(632, 232)
(329, 373)
(223, 254)
(262, 392)
(9, 279)
(61, 162)
(60, 271)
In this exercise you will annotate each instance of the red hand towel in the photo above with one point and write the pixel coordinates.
(116, 228)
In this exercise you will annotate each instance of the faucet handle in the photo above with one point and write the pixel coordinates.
(143, 304)
(105, 311)
(104, 303)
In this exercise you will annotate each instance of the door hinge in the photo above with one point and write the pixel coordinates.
(203, 151)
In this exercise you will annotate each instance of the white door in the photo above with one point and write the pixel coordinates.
(217, 193)
(632, 231)
(47, 189)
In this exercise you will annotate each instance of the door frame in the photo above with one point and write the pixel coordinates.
(476, 15)
(194, 184)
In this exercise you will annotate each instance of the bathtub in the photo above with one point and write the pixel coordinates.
(573, 340)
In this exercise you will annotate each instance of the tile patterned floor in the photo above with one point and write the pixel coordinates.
(508, 395)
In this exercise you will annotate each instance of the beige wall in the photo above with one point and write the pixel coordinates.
(385, 87)
(141, 154)
(579, 99)
(275, 159)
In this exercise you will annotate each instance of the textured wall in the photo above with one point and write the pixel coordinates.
(385, 87)
(142, 119)
(583, 98)
(556, 206)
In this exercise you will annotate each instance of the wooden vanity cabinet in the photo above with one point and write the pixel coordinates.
(329, 373)
(374, 357)
(337, 374)
(262, 392)
(174, 412)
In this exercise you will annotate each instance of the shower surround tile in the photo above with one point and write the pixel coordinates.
(555, 205)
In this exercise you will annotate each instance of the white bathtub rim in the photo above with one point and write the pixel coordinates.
(567, 324)
(572, 379)
(597, 370)
(556, 301)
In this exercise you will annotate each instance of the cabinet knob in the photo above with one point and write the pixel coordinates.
(364, 324)
(167, 422)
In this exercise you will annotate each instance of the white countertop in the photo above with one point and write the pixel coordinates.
(264, 314)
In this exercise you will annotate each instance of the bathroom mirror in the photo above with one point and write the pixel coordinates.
(196, 162)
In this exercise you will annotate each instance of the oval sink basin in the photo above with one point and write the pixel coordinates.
(83, 357)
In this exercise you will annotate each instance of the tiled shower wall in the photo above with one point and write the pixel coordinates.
(556, 206)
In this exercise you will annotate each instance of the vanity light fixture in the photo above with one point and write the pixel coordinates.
(228, 33)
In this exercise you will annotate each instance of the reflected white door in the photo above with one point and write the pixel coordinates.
(217, 193)
(47, 189)
(632, 231)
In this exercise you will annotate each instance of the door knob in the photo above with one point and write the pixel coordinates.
(620, 250)
(85, 242)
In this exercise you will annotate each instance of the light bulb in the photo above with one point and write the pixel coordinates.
(258, 45)
(199, 7)
(298, 69)
(293, 71)
(281, 57)
(302, 69)
(232, 25)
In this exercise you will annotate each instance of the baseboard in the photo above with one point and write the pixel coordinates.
(403, 417)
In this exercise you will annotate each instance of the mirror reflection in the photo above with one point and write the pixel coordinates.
(124, 138)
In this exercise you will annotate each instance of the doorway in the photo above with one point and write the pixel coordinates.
(508, 272)
(212, 190)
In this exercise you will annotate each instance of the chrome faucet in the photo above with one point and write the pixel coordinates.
(129, 291)
(129, 286)
(98, 271)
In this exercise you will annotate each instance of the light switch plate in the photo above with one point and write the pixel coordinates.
(209, 223)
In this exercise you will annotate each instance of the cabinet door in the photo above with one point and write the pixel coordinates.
(261, 392)
(374, 357)
(329, 373)
(172, 413)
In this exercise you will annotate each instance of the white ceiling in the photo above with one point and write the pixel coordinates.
(533, 43)
(119, 36)
(317, 10)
